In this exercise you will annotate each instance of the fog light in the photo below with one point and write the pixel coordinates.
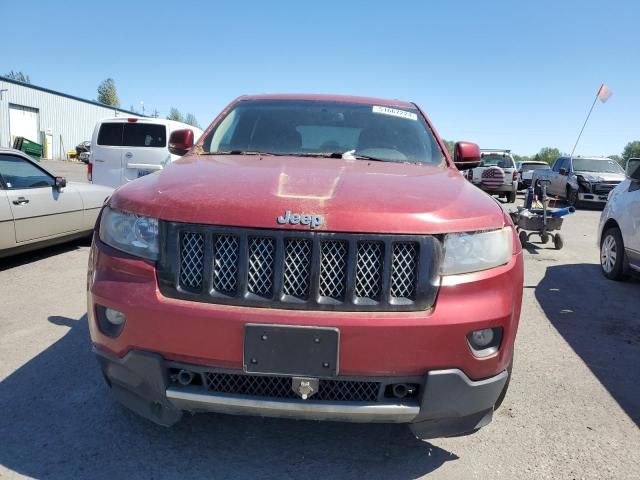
(485, 342)
(114, 316)
(479, 338)
(110, 321)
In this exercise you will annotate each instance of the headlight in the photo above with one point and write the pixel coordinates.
(130, 233)
(474, 251)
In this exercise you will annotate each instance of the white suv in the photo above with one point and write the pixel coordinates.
(619, 230)
(496, 174)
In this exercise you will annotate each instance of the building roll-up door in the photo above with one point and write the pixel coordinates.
(23, 122)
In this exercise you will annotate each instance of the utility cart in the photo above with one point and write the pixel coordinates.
(540, 221)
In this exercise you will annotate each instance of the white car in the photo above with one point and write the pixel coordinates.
(619, 229)
(39, 209)
(526, 169)
(496, 174)
(124, 149)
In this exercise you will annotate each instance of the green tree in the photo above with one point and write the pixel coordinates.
(547, 154)
(19, 76)
(632, 150)
(190, 119)
(521, 158)
(450, 146)
(174, 114)
(107, 93)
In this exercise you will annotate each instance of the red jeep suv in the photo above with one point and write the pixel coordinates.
(314, 257)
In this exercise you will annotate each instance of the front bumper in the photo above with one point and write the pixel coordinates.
(449, 403)
(592, 197)
(371, 343)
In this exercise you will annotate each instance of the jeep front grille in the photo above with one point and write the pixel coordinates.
(225, 263)
(602, 188)
(261, 263)
(404, 270)
(299, 269)
(191, 260)
(333, 269)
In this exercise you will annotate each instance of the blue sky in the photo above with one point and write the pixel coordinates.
(504, 74)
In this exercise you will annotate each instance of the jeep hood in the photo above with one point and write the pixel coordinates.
(351, 195)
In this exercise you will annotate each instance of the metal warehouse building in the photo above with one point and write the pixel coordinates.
(55, 120)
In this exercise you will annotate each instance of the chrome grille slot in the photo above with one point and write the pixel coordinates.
(369, 270)
(333, 269)
(191, 260)
(404, 270)
(297, 268)
(261, 266)
(225, 264)
(305, 270)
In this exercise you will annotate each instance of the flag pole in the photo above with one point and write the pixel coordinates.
(585, 121)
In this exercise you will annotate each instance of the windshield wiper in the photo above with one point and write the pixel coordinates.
(349, 155)
(241, 152)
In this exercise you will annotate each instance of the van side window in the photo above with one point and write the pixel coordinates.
(110, 134)
(144, 135)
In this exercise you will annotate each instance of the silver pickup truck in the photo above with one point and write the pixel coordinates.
(580, 180)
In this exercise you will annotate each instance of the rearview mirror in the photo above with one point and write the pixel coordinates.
(466, 155)
(181, 141)
(563, 171)
(61, 182)
(633, 169)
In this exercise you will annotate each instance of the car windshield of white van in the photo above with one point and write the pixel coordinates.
(119, 134)
(325, 129)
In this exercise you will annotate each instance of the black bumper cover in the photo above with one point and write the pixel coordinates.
(451, 404)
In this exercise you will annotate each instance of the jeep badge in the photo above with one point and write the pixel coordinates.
(300, 219)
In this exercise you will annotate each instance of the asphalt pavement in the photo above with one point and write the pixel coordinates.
(572, 411)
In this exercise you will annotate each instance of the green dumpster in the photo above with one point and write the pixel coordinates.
(29, 147)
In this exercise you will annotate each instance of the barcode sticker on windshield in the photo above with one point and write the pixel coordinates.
(395, 112)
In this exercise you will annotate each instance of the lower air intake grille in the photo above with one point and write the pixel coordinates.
(280, 387)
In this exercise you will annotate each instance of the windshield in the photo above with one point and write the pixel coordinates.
(527, 167)
(501, 161)
(596, 165)
(318, 128)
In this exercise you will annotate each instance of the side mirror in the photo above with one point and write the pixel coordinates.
(61, 182)
(181, 141)
(563, 172)
(466, 155)
(633, 169)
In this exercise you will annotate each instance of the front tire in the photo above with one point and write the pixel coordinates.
(511, 197)
(572, 197)
(524, 238)
(558, 241)
(613, 261)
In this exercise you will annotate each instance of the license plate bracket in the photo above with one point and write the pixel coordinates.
(291, 350)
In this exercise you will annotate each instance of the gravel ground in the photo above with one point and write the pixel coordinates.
(572, 411)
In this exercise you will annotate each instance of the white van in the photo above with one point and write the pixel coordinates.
(124, 149)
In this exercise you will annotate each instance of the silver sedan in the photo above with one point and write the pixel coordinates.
(38, 209)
